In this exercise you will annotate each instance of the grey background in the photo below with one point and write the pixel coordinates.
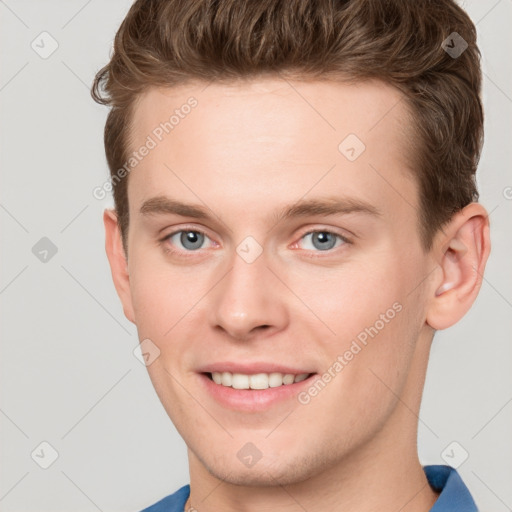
(68, 373)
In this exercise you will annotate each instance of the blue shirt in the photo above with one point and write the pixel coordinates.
(454, 497)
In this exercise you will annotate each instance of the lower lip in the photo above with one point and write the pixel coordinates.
(252, 400)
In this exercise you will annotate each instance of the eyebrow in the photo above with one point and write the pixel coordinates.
(162, 205)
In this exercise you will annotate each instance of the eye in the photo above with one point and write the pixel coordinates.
(323, 240)
(190, 240)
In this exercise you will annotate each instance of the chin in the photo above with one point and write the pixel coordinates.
(264, 474)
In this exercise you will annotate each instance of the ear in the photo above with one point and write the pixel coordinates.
(461, 250)
(118, 262)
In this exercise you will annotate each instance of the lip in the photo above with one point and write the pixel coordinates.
(252, 368)
(253, 400)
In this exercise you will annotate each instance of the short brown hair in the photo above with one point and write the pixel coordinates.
(170, 42)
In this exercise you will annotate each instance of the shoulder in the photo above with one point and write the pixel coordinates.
(172, 503)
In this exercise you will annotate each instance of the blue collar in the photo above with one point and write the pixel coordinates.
(455, 496)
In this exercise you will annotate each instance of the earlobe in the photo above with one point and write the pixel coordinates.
(118, 262)
(463, 254)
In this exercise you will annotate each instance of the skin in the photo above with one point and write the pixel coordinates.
(246, 151)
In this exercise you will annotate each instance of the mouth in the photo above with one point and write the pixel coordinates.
(253, 392)
(257, 380)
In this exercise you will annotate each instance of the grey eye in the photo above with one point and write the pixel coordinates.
(190, 240)
(323, 240)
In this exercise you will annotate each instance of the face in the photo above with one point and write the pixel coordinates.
(274, 243)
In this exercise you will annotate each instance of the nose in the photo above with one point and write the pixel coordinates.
(249, 300)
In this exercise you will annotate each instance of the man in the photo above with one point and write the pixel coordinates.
(295, 216)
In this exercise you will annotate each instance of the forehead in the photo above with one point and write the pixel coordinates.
(272, 136)
(359, 107)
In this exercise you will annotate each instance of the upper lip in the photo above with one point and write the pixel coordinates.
(251, 368)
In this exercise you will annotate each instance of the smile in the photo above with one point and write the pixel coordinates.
(253, 392)
(257, 380)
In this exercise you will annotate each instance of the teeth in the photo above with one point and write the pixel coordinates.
(226, 378)
(256, 381)
(240, 381)
(275, 380)
(288, 379)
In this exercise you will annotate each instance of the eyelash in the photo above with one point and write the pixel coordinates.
(186, 229)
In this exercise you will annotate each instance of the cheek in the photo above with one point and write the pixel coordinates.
(151, 306)
(161, 295)
(349, 299)
(366, 369)
(371, 320)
